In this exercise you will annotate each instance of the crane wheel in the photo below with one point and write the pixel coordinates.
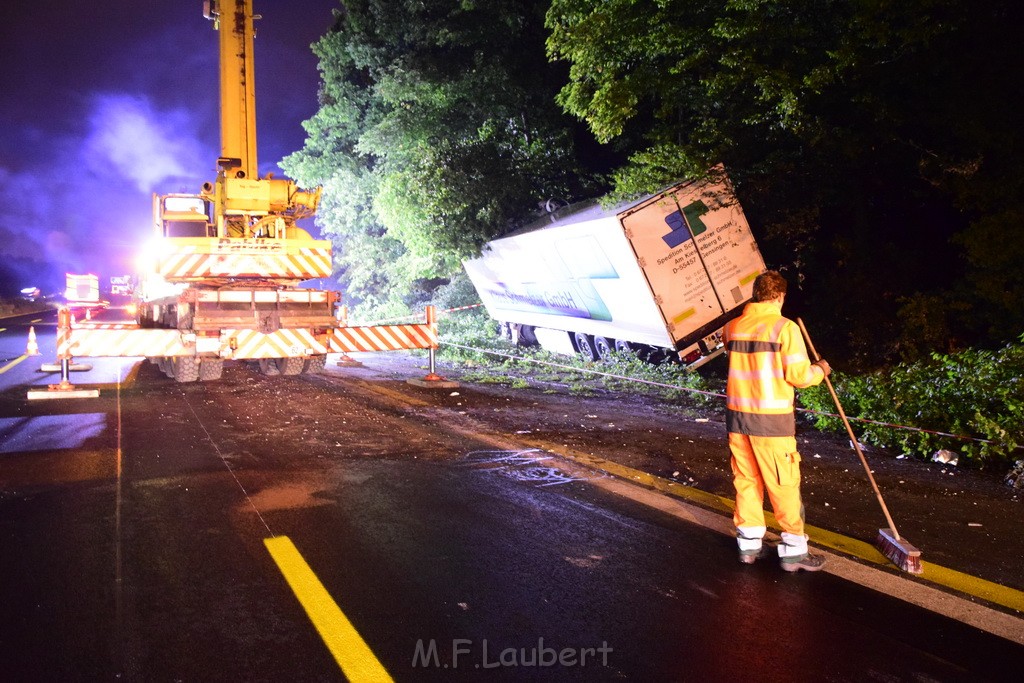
(186, 368)
(210, 369)
(314, 365)
(291, 366)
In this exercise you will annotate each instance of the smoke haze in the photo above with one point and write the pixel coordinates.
(103, 109)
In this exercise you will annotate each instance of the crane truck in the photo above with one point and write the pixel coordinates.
(224, 270)
(658, 277)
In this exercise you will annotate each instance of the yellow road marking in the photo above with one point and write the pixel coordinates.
(3, 329)
(350, 651)
(38, 320)
(12, 364)
(933, 573)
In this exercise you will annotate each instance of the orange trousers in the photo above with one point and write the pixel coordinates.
(771, 463)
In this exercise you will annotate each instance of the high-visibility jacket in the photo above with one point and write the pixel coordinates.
(767, 358)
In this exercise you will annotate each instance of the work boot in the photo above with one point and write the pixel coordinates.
(751, 556)
(808, 562)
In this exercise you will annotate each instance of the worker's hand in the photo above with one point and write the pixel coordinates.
(825, 367)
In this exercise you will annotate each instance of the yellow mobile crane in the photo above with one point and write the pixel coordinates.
(235, 244)
(227, 263)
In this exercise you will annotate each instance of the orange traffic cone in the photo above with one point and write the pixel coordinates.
(33, 348)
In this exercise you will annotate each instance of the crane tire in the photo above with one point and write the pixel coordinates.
(291, 366)
(314, 365)
(210, 369)
(186, 368)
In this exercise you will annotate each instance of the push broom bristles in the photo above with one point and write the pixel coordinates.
(899, 551)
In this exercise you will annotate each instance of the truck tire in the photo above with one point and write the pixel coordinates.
(291, 366)
(314, 365)
(655, 355)
(585, 345)
(210, 369)
(186, 368)
(604, 347)
(522, 335)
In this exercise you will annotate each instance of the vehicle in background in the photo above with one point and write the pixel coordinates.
(82, 293)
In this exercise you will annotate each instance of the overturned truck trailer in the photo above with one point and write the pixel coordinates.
(658, 277)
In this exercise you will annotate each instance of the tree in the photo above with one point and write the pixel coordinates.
(862, 135)
(437, 131)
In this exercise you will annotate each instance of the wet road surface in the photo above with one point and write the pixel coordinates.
(133, 533)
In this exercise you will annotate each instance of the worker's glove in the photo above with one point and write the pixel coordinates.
(825, 367)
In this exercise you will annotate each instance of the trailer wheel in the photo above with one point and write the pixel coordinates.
(268, 366)
(655, 355)
(623, 346)
(585, 345)
(604, 348)
(210, 369)
(186, 368)
(522, 335)
(314, 365)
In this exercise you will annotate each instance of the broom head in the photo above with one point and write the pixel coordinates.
(899, 551)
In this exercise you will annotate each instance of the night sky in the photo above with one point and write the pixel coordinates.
(105, 103)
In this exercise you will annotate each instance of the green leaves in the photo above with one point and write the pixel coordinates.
(862, 135)
(442, 114)
(977, 394)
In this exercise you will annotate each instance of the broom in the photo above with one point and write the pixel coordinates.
(897, 549)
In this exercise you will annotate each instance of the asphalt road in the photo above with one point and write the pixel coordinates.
(167, 531)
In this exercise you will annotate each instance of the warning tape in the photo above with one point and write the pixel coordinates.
(710, 393)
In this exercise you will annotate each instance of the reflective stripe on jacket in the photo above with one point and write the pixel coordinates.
(767, 358)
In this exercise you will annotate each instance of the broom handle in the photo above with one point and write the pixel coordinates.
(849, 430)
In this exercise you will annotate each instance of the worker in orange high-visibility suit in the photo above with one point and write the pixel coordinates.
(767, 359)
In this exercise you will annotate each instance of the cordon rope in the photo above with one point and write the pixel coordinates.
(663, 385)
(712, 394)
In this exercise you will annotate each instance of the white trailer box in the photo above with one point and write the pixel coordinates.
(665, 272)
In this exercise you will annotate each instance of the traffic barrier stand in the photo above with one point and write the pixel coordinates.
(433, 380)
(347, 361)
(72, 367)
(62, 342)
(65, 389)
(32, 348)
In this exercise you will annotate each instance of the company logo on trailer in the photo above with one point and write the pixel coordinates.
(685, 224)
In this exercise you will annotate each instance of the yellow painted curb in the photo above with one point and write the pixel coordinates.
(933, 573)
